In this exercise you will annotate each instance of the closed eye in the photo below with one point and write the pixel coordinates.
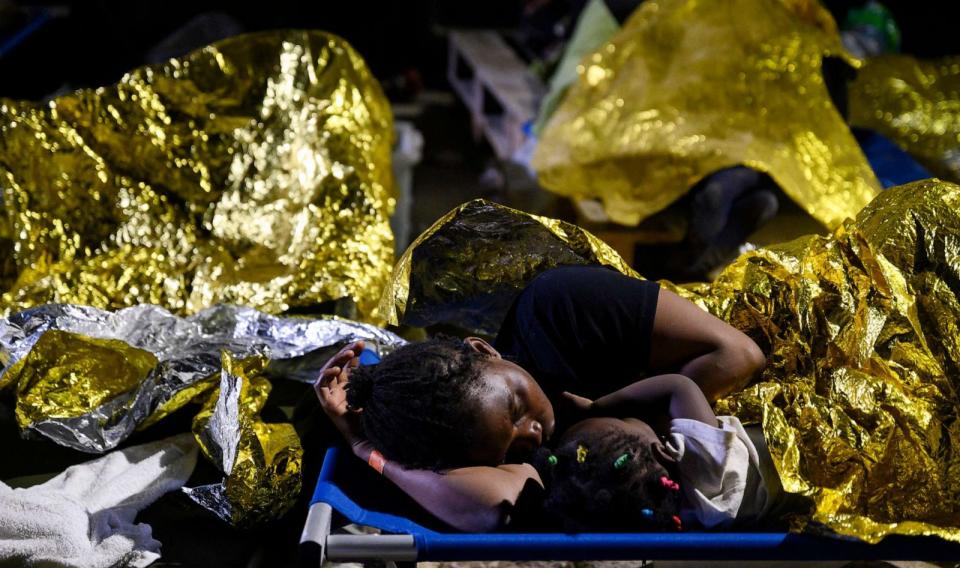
(516, 409)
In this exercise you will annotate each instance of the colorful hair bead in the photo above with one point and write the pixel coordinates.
(647, 513)
(622, 461)
(669, 483)
(552, 460)
(581, 453)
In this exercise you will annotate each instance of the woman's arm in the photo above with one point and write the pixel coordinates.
(675, 396)
(471, 499)
(692, 342)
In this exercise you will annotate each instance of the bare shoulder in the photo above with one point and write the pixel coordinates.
(497, 484)
(507, 471)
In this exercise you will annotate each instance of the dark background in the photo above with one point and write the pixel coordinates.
(93, 42)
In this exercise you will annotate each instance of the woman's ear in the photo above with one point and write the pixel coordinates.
(482, 346)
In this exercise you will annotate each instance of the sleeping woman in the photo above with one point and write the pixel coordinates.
(455, 423)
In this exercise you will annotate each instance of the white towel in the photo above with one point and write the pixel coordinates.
(84, 517)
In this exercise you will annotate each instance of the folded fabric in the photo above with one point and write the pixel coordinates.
(720, 471)
(84, 517)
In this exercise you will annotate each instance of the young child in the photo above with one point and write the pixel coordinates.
(613, 471)
(605, 478)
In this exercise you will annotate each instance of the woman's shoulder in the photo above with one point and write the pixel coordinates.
(503, 483)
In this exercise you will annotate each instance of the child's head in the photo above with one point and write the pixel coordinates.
(446, 402)
(604, 476)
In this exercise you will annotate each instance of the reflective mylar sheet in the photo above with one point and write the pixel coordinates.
(261, 462)
(88, 378)
(859, 402)
(691, 87)
(255, 171)
(916, 104)
(466, 269)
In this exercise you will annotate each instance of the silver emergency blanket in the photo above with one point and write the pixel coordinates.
(56, 357)
(261, 462)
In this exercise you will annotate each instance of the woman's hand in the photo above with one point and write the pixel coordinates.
(331, 389)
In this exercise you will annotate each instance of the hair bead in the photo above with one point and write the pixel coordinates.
(622, 461)
(581, 453)
(669, 483)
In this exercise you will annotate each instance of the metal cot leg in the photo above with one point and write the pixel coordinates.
(316, 530)
(318, 545)
(389, 547)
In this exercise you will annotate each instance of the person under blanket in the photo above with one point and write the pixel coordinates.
(687, 468)
(453, 423)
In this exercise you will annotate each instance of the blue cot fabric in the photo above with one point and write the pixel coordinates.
(368, 357)
(891, 164)
(328, 492)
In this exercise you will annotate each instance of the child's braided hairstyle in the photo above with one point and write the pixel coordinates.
(416, 402)
(605, 491)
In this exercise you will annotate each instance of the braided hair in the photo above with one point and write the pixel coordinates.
(607, 481)
(416, 402)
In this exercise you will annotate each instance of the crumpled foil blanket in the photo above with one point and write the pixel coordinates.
(261, 462)
(859, 402)
(687, 88)
(255, 171)
(468, 266)
(88, 378)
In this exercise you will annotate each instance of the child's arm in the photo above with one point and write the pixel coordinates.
(470, 499)
(676, 396)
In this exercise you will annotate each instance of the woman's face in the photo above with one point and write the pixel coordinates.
(515, 415)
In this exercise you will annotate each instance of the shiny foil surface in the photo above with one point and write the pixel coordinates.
(261, 462)
(689, 87)
(859, 402)
(915, 103)
(87, 378)
(468, 266)
(255, 171)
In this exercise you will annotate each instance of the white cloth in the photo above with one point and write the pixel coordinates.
(723, 476)
(84, 517)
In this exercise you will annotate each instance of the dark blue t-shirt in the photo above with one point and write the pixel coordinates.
(583, 329)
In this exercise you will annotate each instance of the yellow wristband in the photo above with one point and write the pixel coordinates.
(377, 461)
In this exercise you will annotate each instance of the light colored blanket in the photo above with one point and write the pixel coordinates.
(84, 517)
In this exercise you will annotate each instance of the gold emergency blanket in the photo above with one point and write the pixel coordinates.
(88, 379)
(860, 400)
(261, 461)
(255, 171)
(916, 104)
(690, 87)
(466, 269)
